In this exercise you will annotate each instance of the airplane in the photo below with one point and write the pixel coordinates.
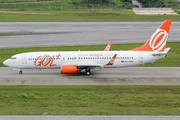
(72, 62)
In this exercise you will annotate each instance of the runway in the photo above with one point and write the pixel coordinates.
(79, 33)
(114, 76)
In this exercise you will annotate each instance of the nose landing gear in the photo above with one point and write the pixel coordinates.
(20, 71)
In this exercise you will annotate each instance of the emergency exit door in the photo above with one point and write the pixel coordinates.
(140, 57)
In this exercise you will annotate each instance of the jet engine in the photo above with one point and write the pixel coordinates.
(69, 69)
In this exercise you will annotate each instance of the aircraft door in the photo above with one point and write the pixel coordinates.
(140, 57)
(24, 59)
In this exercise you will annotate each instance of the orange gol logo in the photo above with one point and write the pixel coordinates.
(46, 60)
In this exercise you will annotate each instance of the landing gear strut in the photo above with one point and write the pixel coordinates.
(88, 72)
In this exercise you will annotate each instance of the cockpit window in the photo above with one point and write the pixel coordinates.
(13, 58)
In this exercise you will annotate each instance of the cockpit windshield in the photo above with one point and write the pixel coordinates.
(13, 58)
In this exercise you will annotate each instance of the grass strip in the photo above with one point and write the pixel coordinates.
(172, 60)
(89, 100)
(79, 16)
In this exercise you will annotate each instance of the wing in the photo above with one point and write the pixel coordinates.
(94, 65)
(91, 66)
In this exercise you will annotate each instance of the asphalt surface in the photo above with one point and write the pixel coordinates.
(109, 76)
(79, 33)
(47, 117)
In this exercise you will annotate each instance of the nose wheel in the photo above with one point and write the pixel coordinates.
(20, 72)
(88, 72)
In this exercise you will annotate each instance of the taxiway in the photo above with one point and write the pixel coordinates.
(114, 76)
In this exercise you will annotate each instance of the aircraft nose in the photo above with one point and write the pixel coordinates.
(5, 62)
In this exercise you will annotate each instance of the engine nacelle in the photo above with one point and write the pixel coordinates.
(69, 69)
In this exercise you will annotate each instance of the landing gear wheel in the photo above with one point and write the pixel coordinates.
(20, 72)
(88, 72)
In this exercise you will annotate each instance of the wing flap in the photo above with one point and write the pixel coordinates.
(90, 66)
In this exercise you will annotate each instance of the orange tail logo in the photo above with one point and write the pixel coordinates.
(157, 42)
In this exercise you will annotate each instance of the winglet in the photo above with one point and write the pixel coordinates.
(157, 41)
(108, 47)
(111, 62)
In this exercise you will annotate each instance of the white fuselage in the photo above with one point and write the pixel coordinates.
(54, 60)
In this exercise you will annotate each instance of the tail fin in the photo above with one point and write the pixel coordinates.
(157, 41)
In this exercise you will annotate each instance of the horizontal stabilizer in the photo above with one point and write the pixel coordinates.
(162, 53)
(167, 49)
(159, 53)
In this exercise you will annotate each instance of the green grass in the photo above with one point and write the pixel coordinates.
(172, 60)
(39, 1)
(76, 4)
(89, 100)
(64, 5)
(90, 16)
(54, 1)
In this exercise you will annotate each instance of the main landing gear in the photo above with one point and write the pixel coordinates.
(88, 72)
